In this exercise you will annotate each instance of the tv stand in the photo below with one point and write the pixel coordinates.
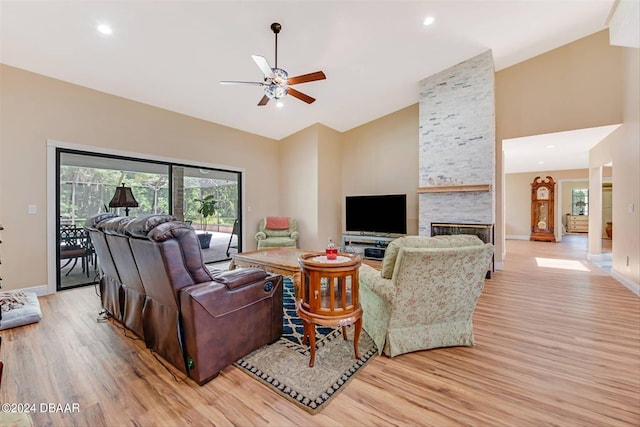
(370, 246)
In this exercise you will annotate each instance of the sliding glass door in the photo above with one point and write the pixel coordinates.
(87, 183)
(217, 232)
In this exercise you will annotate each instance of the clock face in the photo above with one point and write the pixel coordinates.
(543, 193)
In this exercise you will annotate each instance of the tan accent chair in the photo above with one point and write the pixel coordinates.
(426, 293)
(268, 238)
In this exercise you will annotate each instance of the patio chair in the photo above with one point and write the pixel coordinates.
(74, 245)
(233, 232)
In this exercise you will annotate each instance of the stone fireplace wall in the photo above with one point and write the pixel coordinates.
(457, 145)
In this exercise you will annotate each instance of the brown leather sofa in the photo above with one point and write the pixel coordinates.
(154, 282)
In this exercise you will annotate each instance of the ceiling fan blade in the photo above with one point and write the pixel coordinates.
(311, 77)
(263, 101)
(228, 82)
(263, 65)
(301, 96)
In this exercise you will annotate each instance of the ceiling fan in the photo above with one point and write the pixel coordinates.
(277, 82)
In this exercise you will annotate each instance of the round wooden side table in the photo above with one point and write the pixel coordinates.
(329, 296)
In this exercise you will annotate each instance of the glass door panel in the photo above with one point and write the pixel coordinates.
(220, 232)
(86, 185)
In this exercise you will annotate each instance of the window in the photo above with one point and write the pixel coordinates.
(87, 184)
(580, 201)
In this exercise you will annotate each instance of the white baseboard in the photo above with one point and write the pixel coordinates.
(598, 257)
(499, 265)
(516, 237)
(629, 284)
(40, 290)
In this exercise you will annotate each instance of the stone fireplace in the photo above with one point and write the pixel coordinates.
(457, 145)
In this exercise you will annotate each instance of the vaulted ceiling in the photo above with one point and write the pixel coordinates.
(172, 54)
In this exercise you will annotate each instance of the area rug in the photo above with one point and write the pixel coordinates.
(284, 365)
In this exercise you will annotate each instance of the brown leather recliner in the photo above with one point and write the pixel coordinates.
(110, 283)
(132, 293)
(198, 321)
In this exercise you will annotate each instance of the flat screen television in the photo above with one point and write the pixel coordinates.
(380, 214)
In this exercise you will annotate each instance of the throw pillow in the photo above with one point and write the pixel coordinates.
(276, 223)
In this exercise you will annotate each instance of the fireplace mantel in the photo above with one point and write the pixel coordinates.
(454, 188)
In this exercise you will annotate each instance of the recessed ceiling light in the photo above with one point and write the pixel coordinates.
(428, 21)
(541, 162)
(551, 146)
(279, 104)
(105, 29)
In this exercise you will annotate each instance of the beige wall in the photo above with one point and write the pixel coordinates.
(36, 108)
(298, 172)
(626, 161)
(329, 187)
(573, 87)
(622, 149)
(310, 184)
(381, 157)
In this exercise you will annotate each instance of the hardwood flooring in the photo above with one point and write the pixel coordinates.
(557, 343)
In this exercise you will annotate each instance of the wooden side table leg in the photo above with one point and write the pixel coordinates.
(356, 337)
(305, 332)
(312, 343)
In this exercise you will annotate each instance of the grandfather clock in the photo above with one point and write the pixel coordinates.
(542, 209)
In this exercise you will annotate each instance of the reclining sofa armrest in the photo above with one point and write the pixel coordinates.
(371, 279)
(231, 292)
(236, 278)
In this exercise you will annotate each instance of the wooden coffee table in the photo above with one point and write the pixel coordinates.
(275, 260)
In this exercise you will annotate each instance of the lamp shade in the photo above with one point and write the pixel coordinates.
(123, 198)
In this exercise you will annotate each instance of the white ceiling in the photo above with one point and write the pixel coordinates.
(172, 54)
(552, 151)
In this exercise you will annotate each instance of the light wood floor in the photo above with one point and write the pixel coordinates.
(557, 343)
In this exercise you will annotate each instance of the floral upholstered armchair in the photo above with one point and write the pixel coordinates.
(274, 232)
(425, 294)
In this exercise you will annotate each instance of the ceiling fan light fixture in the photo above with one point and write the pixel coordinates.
(275, 91)
(280, 76)
(276, 81)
